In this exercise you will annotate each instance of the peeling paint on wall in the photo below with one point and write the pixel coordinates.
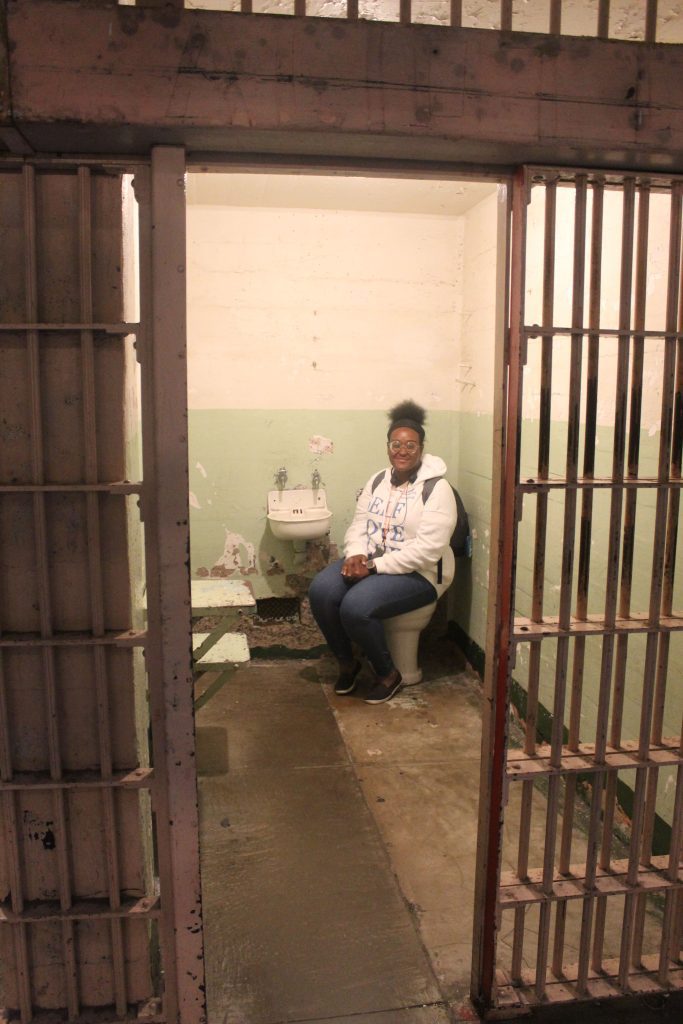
(193, 500)
(239, 555)
(321, 445)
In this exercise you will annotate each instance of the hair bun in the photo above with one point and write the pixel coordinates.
(408, 410)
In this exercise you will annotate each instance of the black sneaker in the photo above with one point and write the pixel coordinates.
(346, 683)
(380, 693)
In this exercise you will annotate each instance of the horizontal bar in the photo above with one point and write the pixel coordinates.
(521, 765)
(535, 485)
(515, 891)
(116, 487)
(594, 625)
(84, 910)
(536, 331)
(119, 328)
(126, 638)
(642, 980)
(138, 778)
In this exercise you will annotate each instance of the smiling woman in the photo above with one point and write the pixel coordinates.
(393, 548)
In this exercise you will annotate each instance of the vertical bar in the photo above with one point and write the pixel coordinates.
(550, 215)
(44, 596)
(603, 19)
(352, 10)
(574, 425)
(167, 652)
(246, 6)
(405, 12)
(651, 21)
(555, 26)
(590, 438)
(300, 8)
(620, 405)
(507, 412)
(649, 673)
(456, 13)
(506, 15)
(97, 584)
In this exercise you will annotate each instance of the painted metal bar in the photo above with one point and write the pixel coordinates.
(44, 596)
(352, 10)
(540, 539)
(405, 12)
(555, 23)
(659, 695)
(456, 13)
(651, 21)
(618, 452)
(246, 6)
(69, 328)
(167, 653)
(603, 19)
(506, 15)
(300, 8)
(96, 583)
(649, 672)
(567, 572)
(507, 423)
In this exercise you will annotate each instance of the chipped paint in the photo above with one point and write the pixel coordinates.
(194, 503)
(320, 445)
(239, 555)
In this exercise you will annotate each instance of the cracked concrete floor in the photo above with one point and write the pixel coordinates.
(338, 850)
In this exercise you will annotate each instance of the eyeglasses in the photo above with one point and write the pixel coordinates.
(410, 446)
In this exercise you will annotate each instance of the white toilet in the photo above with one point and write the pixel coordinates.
(403, 635)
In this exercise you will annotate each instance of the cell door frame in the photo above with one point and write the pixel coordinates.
(160, 341)
(490, 993)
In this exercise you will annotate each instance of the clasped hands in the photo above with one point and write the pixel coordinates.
(355, 568)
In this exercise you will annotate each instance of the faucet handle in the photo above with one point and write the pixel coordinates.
(316, 479)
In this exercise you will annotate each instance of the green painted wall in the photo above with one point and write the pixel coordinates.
(234, 456)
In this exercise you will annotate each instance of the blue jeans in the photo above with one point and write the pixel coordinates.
(352, 612)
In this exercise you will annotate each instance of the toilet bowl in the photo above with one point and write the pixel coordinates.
(403, 635)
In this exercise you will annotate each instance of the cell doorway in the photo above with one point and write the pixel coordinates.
(316, 303)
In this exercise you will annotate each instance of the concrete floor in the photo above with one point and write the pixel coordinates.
(338, 850)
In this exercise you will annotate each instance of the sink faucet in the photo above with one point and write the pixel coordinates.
(281, 477)
(316, 479)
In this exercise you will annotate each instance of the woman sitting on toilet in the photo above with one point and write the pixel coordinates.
(398, 556)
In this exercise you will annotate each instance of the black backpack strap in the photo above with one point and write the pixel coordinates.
(428, 486)
(377, 481)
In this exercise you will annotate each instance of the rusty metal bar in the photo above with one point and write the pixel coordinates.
(97, 584)
(583, 582)
(567, 572)
(550, 221)
(405, 12)
(555, 24)
(352, 10)
(300, 8)
(246, 6)
(603, 19)
(456, 13)
(651, 21)
(620, 406)
(663, 651)
(505, 15)
(490, 822)
(167, 653)
(649, 673)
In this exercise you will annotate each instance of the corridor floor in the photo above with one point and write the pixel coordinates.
(338, 851)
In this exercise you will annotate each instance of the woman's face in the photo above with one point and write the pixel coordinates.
(403, 460)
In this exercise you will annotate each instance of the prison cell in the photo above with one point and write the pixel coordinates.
(85, 796)
(588, 903)
(548, 14)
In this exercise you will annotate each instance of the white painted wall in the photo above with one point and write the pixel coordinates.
(322, 309)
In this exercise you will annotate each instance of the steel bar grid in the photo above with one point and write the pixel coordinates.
(598, 647)
(59, 787)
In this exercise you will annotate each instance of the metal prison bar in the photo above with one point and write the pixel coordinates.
(86, 894)
(506, 16)
(574, 886)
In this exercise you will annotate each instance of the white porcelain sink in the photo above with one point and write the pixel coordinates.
(300, 514)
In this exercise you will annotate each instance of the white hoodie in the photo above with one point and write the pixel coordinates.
(416, 534)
